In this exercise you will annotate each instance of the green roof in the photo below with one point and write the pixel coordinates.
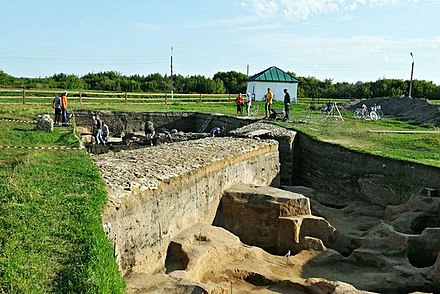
(273, 74)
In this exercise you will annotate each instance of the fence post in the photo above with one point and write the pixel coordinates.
(200, 99)
(166, 98)
(229, 99)
(24, 96)
(80, 97)
(126, 98)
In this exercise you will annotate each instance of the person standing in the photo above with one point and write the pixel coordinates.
(286, 105)
(65, 114)
(269, 101)
(98, 136)
(105, 132)
(248, 104)
(57, 108)
(94, 128)
(239, 102)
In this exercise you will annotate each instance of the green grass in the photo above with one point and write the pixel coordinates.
(26, 134)
(51, 236)
(354, 134)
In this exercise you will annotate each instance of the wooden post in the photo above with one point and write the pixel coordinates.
(24, 96)
(80, 98)
(166, 98)
(229, 99)
(200, 99)
(126, 98)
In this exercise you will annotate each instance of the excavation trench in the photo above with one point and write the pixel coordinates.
(164, 199)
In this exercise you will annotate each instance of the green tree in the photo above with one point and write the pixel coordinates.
(362, 90)
(234, 82)
(6, 80)
(63, 81)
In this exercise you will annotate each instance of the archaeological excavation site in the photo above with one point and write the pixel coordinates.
(261, 209)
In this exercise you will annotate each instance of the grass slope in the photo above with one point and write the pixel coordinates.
(51, 236)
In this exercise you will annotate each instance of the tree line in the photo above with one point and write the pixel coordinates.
(231, 82)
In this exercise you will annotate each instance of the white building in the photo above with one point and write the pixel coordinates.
(275, 79)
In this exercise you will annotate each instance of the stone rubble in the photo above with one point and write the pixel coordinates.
(144, 169)
(259, 129)
(45, 123)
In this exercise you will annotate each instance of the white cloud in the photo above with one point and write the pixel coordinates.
(303, 9)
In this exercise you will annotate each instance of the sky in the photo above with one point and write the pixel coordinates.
(342, 40)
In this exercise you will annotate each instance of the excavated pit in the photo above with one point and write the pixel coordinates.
(176, 258)
(159, 196)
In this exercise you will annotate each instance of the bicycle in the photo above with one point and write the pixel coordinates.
(376, 112)
(362, 112)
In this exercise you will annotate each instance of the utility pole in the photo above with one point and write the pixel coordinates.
(412, 71)
(247, 70)
(172, 86)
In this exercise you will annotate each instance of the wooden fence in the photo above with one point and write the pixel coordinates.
(88, 97)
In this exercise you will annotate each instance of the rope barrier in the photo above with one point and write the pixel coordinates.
(19, 120)
(40, 147)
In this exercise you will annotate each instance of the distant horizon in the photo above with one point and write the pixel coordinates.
(342, 40)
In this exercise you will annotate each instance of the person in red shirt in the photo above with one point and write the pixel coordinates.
(239, 102)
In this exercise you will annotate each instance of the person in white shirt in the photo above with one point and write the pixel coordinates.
(248, 104)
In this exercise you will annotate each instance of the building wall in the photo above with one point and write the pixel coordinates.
(260, 89)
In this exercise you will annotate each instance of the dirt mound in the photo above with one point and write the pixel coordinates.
(413, 110)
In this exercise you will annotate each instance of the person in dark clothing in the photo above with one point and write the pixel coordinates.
(149, 129)
(57, 107)
(216, 131)
(150, 132)
(286, 105)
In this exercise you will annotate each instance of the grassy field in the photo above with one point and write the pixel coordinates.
(50, 201)
(51, 236)
(355, 134)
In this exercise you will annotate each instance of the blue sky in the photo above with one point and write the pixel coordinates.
(345, 40)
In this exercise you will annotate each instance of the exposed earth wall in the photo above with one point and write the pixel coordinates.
(157, 192)
(355, 175)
